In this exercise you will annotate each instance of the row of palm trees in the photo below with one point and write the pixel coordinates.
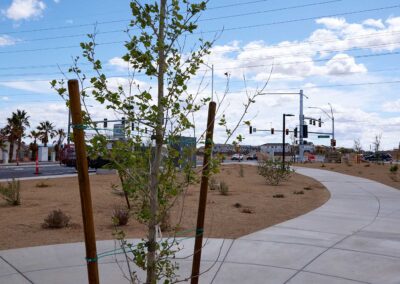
(15, 131)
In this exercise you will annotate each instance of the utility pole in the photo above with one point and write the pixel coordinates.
(301, 123)
(84, 184)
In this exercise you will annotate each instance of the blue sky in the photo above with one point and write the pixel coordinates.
(345, 53)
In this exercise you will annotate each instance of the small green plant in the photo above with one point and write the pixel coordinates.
(241, 171)
(56, 219)
(274, 172)
(223, 188)
(11, 192)
(279, 195)
(298, 192)
(394, 168)
(120, 216)
(42, 184)
(213, 184)
(323, 165)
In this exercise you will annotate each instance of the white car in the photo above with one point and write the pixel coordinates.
(237, 157)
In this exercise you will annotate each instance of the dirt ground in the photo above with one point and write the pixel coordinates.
(377, 172)
(255, 208)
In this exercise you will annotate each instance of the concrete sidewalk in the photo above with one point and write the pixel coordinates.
(353, 238)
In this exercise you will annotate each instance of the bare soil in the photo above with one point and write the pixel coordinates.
(248, 207)
(374, 171)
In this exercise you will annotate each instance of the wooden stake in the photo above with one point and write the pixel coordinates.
(203, 194)
(84, 185)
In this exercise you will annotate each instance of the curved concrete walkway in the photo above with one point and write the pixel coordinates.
(353, 238)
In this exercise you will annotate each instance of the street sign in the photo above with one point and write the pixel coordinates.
(323, 136)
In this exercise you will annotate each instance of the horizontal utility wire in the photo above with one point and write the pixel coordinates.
(275, 47)
(208, 19)
(273, 90)
(248, 66)
(128, 20)
(226, 29)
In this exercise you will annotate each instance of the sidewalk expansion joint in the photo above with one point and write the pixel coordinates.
(17, 270)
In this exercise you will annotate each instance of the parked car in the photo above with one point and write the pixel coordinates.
(237, 157)
(252, 157)
(68, 158)
(385, 157)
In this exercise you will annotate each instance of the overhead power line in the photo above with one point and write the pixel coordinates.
(200, 20)
(242, 67)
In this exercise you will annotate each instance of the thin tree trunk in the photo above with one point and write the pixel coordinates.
(155, 167)
(10, 155)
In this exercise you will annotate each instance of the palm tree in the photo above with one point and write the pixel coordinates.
(33, 146)
(15, 130)
(46, 130)
(57, 147)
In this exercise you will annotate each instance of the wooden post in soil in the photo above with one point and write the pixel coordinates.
(84, 185)
(203, 194)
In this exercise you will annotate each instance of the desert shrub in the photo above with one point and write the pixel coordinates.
(323, 165)
(237, 205)
(241, 171)
(120, 216)
(56, 219)
(247, 211)
(298, 192)
(42, 184)
(223, 188)
(394, 168)
(213, 184)
(307, 188)
(279, 195)
(11, 192)
(274, 172)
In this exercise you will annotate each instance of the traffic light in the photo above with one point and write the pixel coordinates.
(333, 142)
(287, 131)
(305, 131)
(133, 126)
(272, 131)
(105, 123)
(295, 132)
(313, 122)
(319, 122)
(123, 121)
(251, 129)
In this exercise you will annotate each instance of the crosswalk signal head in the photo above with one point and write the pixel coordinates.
(333, 142)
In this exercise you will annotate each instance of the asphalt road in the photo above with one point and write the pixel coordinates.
(8, 172)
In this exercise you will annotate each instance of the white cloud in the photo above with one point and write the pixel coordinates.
(36, 87)
(374, 23)
(119, 63)
(332, 23)
(25, 9)
(7, 40)
(392, 106)
(57, 1)
(344, 64)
